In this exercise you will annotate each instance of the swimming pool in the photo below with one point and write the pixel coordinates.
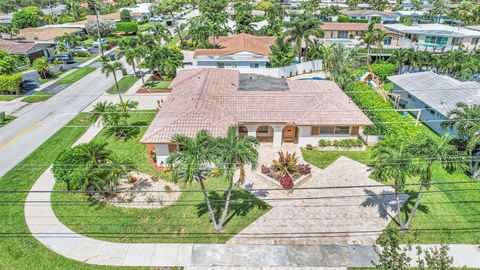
(312, 79)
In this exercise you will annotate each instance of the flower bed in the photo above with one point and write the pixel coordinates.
(286, 172)
(339, 145)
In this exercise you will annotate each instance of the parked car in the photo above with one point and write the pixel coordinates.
(156, 19)
(99, 41)
(79, 49)
(63, 58)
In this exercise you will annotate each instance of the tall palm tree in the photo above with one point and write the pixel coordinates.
(399, 58)
(235, 153)
(393, 163)
(190, 163)
(372, 36)
(464, 119)
(111, 69)
(131, 55)
(160, 33)
(339, 63)
(302, 28)
(429, 150)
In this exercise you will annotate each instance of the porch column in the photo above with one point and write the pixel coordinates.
(162, 152)
(277, 135)
(252, 130)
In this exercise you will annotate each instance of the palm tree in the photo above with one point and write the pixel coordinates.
(316, 50)
(429, 150)
(131, 55)
(464, 119)
(160, 33)
(372, 36)
(339, 63)
(235, 153)
(399, 58)
(190, 163)
(303, 28)
(111, 69)
(393, 163)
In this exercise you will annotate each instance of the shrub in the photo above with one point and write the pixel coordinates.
(348, 143)
(309, 147)
(343, 18)
(386, 120)
(125, 16)
(286, 181)
(127, 27)
(265, 170)
(11, 84)
(383, 70)
(323, 143)
(81, 54)
(304, 169)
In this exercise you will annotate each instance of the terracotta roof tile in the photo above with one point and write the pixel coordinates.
(46, 33)
(210, 99)
(12, 47)
(238, 43)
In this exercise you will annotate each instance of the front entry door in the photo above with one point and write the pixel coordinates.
(289, 134)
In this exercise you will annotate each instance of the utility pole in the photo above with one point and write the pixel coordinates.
(99, 35)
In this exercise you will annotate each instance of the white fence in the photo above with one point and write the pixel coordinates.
(283, 72)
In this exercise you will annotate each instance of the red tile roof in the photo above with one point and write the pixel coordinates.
(336, 26)
(238, 43)
(210, 99)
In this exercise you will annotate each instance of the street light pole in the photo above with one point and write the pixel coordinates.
(99, 35)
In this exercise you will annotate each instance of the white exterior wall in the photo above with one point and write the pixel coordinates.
(305, 138)
(161, 151)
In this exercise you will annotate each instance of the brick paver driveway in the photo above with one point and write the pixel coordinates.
(328, 216)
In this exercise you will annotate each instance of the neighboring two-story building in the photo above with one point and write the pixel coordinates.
(273, 110)
(435, 95)
(237, 51)
(351, 33)
(370, 15)
(436, 36)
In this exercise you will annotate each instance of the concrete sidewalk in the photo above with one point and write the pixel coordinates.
(46, 228)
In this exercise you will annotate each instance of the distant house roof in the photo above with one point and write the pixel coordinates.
(112, 16)
(214, 99)
(440, 92)
(409, 12)
(433, 29)
(238, 43)
(12, 47)
(367, 13)
(46, 33)
(336, 26)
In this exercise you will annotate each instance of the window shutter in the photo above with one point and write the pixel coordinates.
(315, 130)
(354, 130)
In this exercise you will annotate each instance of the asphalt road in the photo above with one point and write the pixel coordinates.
(23, 135)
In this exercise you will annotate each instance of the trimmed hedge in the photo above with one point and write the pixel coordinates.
(127, 27)
(386, 120)
(11, 84)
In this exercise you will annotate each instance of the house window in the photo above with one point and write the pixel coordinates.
(342, 34)
(331, 34)
(254, 65)
(327, 130)
(358, 33)
(457, 41)
(262, 129)
(387, 41)
(242, 129)
(341, 130)
(231, 65)
(441, 41)
(172, 147)
(220, 65)
(475, 40)
(315, 130)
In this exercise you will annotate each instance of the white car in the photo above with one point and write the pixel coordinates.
(79, 49)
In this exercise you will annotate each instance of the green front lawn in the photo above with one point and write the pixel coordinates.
(83, 58)
(145, 27)
(184, 222)
(157, 85)
(18, 249)
(123, 85)
(76, 76)
(450, 214)
(38, 97)
(4, 97)
(323, 159)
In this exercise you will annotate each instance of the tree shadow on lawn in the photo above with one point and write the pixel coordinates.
(386, 203)
(126, 133)
(241, 204)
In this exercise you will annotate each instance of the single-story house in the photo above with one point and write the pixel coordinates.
(415, 15)
(436, 36)
(271, 109)
(370, 15)
(242, 50)
(335, 32)
(47, 33)
(28, 50)
(435, 95)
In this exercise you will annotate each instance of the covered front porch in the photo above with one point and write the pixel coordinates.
(275, 133)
